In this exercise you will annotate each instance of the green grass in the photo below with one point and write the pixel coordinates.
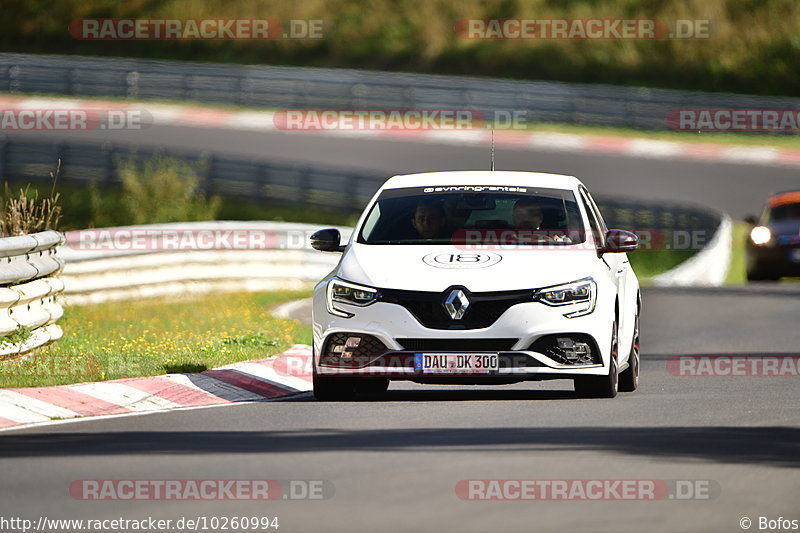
(237, 210)
(153, 337)
(649, 263)
(737, 272)
(18, 336)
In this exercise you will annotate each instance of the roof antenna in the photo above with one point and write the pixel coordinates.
(492, 149)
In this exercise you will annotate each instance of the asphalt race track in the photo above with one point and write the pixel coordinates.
(736, 188)
(395, 461)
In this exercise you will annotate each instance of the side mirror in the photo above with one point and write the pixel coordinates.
(750, 219)
(618, 240)
(327, 240)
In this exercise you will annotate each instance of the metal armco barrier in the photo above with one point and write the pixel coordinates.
(105, 265)
(286, 184)
(29, 291)
(293, 87)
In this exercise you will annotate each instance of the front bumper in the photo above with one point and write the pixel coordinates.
(513, 337)
(781, 258)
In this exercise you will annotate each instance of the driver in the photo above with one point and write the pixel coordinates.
(429, 220)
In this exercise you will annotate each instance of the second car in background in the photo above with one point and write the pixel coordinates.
(773, 246)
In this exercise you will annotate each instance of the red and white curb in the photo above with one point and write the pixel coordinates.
(281, 375)
(195, 116)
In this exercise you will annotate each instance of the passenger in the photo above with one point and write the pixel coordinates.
(527, 215)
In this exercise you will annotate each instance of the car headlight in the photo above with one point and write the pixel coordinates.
(581, 293)
(340, 291)
(760, 235)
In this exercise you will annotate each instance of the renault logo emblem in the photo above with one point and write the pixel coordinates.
(456, 304)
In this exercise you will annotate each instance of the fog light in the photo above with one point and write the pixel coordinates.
(574, 352)
(352, 342)
(581, 348)
(565, 343)
(346, 350)
(584, 353)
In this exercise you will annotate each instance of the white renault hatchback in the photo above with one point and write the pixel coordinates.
(480, 277)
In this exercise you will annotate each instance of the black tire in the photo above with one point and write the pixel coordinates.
(629, 379)
(602, 386)
(757, 274)
(372, 385)
(333, 389)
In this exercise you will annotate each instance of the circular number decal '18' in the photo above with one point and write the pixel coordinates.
(462, 260)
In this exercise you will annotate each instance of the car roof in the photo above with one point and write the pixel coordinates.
(483, 177)
(784, 198)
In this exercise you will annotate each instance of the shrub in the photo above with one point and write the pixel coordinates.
(26, 213)
(161, 189)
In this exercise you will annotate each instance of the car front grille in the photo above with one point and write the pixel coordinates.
(483, 311)
(788, 240)
(457, 345)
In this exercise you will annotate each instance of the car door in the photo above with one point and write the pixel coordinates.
(620, 268)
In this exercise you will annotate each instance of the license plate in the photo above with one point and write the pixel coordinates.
(794, 255)
(438, 363)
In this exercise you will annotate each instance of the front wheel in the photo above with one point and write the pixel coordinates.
(602, 386)
(757, 272)
(761, 275)
(372, 385)
(629, 379)
(333, 389)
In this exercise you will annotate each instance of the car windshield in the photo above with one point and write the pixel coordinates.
(784, 212)
(473, 214)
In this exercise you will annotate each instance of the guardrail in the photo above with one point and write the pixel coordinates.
(96, 273)
(293, 87)
(29, 289)
(265, 181)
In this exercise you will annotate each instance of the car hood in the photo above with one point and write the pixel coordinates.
(435, 268)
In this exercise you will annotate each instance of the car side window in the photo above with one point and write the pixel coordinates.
(596, 211)
(599, 235)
